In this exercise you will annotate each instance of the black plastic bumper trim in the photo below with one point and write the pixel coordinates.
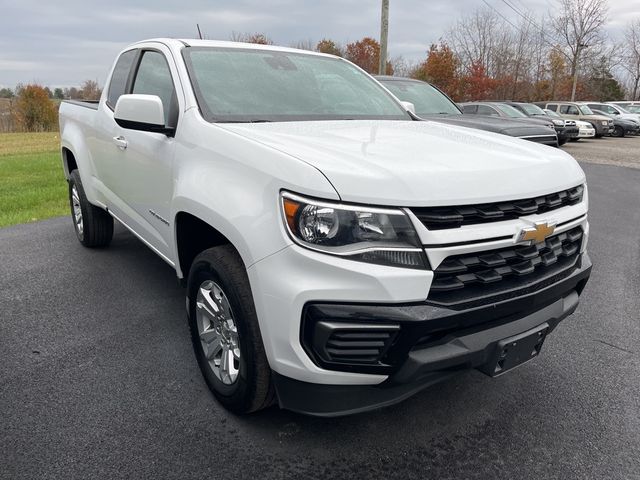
(422, 368)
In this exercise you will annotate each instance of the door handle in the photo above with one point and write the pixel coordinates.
(120, 142)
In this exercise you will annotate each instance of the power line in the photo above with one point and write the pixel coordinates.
(527, 19)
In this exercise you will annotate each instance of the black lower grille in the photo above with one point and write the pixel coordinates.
(437, 218)
(479, 277)
(357, 345)
(339, 343)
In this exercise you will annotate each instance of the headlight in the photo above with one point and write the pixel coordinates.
(374, 235)
(559, 123)
(605, 122)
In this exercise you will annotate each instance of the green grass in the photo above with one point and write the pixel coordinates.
(32, 184)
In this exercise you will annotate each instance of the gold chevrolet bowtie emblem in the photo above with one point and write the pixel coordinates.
(537, 233)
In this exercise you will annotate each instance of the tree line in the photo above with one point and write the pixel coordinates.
(34, 108)
(564, 54)
(482, 56)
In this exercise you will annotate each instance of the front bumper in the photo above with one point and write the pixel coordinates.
(567, 132)
(461, 340)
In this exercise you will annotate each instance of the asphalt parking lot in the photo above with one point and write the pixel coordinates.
(98, 379)
(623, 152)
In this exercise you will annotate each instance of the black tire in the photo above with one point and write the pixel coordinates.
(562, 142)
(97, 225)
(618, 131)
(574, 139)
(252, 389)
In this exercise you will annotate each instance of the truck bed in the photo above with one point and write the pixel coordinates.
(92, 104)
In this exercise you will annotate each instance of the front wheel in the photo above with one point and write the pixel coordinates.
(225, 332)
(93, 226)
(618, 131)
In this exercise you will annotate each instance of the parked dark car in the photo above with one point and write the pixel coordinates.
(621, 126)
(565, 129)
(501, 109)
(433, 104)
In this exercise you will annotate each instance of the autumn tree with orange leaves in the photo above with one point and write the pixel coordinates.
(440, 68)
(329, 46)
(477, 85)
(34, 110)
(366, 54)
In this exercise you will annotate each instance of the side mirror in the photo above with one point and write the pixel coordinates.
(141, 112)
(615, 112)
(409, 107)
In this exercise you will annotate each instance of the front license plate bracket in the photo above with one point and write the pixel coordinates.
(514, 351)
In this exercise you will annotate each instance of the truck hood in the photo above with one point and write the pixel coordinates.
(413, 163)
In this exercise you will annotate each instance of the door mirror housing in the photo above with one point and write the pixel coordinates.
(409, 107)
(141, 112)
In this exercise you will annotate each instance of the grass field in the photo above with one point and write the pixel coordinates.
(32, 185)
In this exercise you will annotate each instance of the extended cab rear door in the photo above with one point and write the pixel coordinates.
(138, 165)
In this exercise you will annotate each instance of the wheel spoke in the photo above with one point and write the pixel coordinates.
(224, 364)
(213, 349)
(209, 335)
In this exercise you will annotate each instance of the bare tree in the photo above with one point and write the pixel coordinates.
(90, 90)
(479, 37)
(630, 59)
(578, 26)
(304, 45)
(259, 38)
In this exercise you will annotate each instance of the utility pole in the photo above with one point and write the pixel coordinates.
(575, 70)
(384, 37)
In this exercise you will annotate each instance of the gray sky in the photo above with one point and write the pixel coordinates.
(63, 43)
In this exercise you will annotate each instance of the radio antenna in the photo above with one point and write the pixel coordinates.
(199, 32)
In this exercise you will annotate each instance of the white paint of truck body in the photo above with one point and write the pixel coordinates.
(231, 176)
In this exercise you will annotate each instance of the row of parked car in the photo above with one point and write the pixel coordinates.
(551, 123)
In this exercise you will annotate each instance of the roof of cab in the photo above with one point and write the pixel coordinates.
(194, 42)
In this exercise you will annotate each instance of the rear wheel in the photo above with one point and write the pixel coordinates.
(93, 226)
(225, 333)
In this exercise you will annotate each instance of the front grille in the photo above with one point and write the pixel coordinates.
(437, 218)
(482, 277)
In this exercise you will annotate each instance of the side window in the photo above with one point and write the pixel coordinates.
(469, 108)
(154, 78)
(569, 110)
(553, 107)
(486, 110)
(118, 82)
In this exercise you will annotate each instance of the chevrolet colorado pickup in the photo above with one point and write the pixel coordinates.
(339, 254)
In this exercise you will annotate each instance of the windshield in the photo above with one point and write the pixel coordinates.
(621, 109)
(585, 110)
(247, 85)
(633, 108)
(427, 99)
(551, 113)
(532, 109)
(510, 111)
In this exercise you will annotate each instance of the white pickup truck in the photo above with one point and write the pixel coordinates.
(338, 253)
